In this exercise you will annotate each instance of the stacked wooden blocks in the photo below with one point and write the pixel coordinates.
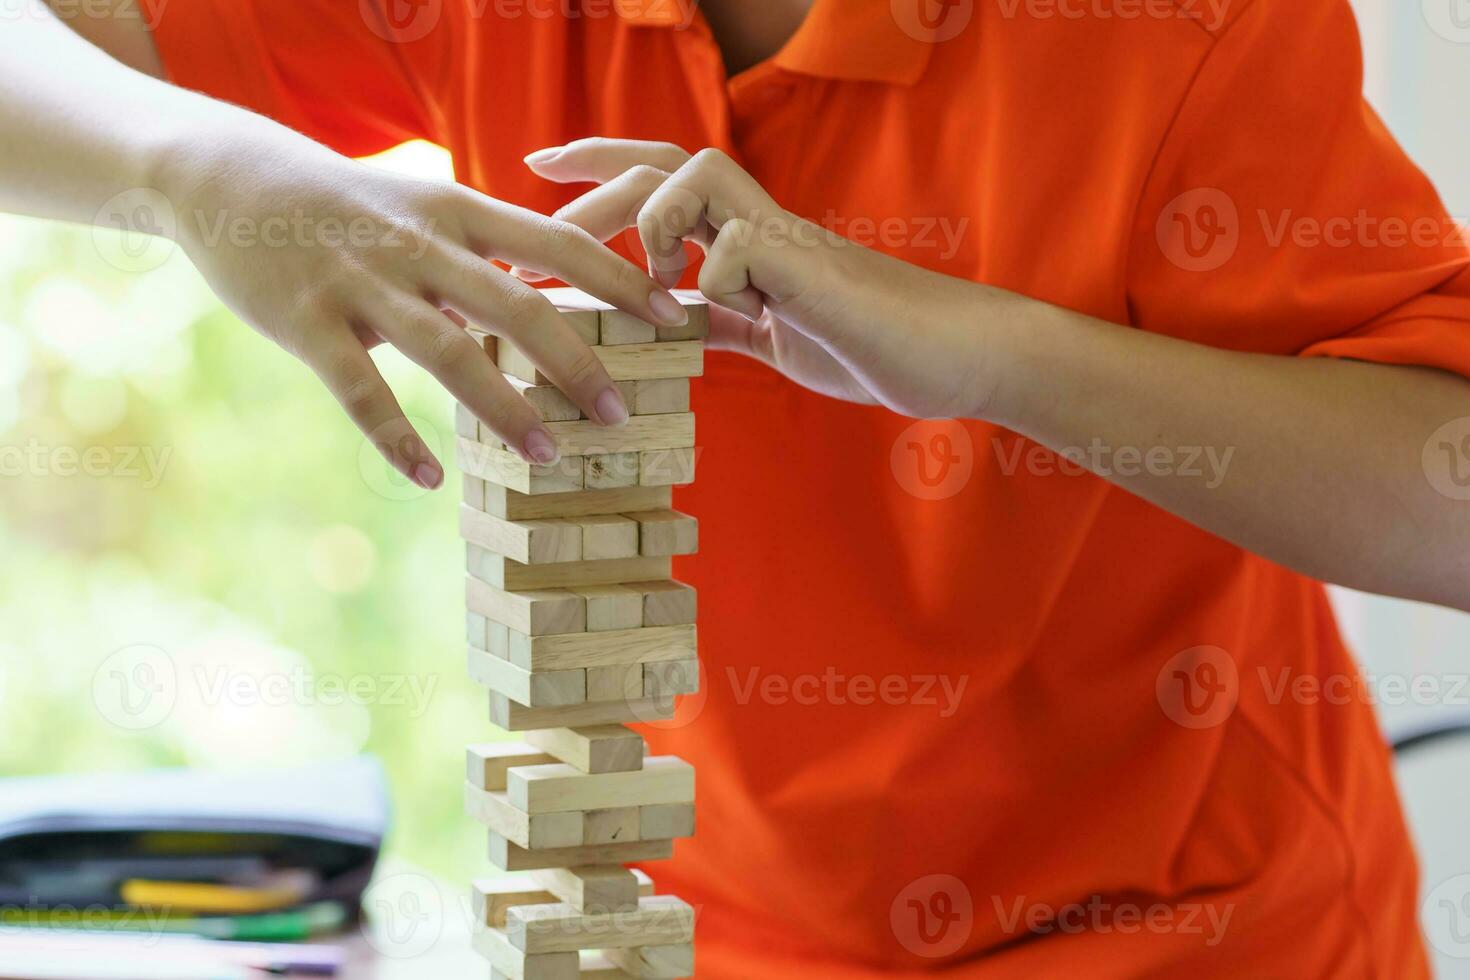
(577, 628)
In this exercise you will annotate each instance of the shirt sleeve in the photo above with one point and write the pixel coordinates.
(1281, 216)
(358, 75)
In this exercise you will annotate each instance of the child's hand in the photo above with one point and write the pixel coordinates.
(328, 257)
(841, 319)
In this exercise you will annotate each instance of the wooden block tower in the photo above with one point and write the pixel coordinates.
(577, 627)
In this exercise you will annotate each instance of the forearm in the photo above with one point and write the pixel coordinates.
(81, 127)
(1313, 463)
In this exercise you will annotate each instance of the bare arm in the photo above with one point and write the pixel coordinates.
(325, 256)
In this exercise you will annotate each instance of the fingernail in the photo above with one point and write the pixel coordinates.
(428, 476)
(610, 408)
(541, 447)
(668, 310)
(543, 156)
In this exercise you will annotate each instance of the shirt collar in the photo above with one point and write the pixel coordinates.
(853, 40)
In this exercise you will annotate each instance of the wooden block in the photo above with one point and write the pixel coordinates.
(596, 966)
(655, 962)
(509, 856)
(486, 764)
(532, 542)
(663, 680)
(535, 689)
(665, 821)
(624, 362)
(661, 920)
(611, 607)
(511, 505)
(667, 603)
(569, 651)
(666, 532)
(531, 831)
(609, 826)
(618, 682)
(699, 317)
(535, 612)
(506, 573)
(474, 491)
(595, 748)
(625, 328)
(594, 889)
(500, 466)
(493, 897)
(641, 433)
(514, 964)
(558, 786)
(604, 536)
(465, 423)
(548, 401)
(477, 630)
(610, 471)
(666, 468)
(516, 717)
(660, 396)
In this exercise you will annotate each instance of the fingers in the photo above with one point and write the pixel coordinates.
(441, 347)
(350, 375)
(529, 240)
(599, 160)
(506, 307)
(711, 188)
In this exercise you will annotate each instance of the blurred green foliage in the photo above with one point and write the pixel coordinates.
(170, 479)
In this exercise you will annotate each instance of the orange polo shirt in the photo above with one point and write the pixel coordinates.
(966, 708)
